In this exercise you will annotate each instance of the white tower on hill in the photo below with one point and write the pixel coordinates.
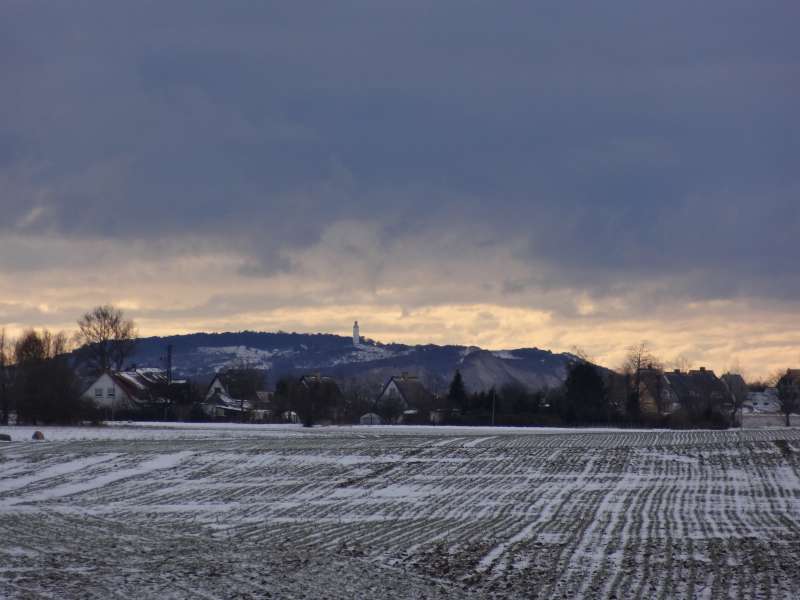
(356, 336)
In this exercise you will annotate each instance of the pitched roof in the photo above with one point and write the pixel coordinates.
(323, 383)
(699, 383)
(142, 385)
(792, 375)
(653, 380)
(222, 400)
(240, 383)
(411, 390)
(733, 380)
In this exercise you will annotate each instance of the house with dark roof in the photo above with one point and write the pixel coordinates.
(317, 399)
(404, 399)
(661, 393)
(126, 392)
(792, 376)
(654, 394)
(237, 394)
(317, 380)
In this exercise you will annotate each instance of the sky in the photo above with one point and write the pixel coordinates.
(550, 174)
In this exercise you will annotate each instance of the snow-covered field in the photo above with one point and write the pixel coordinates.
(227, 511)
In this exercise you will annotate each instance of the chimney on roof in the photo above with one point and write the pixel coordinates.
(677, 371)
(702, 369)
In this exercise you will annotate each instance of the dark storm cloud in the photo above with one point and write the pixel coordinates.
(616, 140)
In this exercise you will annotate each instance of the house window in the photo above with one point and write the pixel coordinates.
(111, 392)
(98, 392)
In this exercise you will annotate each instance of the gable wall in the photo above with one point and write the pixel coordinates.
(105, 392)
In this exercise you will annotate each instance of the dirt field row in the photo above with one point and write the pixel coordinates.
(402, 513)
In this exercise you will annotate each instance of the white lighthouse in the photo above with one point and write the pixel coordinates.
(356, 336)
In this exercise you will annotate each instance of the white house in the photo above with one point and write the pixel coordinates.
(124, 391)
(763, 402)
(219, 403)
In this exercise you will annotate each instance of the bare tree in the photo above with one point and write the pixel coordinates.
(107, 336)
(46, 389)
(682, 363)
(581, 353)
(738, 389)
(788, 395)
(5, 400)
(774, 377)
(244, 383)
(639, 357)
(390, 409)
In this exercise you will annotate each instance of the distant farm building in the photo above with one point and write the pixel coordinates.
(317, 399)
(765, 401)
(698, 390)
(404, 399)
(237, 394)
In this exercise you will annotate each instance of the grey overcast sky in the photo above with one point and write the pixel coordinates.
(500, 174)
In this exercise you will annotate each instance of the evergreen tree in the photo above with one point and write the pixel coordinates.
(457, 396)
(585, 398)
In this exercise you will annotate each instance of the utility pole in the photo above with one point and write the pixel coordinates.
(168, 392)
(494, 403)
(169, 364)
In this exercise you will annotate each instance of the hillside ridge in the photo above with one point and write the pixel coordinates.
(199, 355)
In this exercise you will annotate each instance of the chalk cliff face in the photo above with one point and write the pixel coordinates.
(199, 356)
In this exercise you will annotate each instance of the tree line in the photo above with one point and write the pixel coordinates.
(591, 395)
(38, 381)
